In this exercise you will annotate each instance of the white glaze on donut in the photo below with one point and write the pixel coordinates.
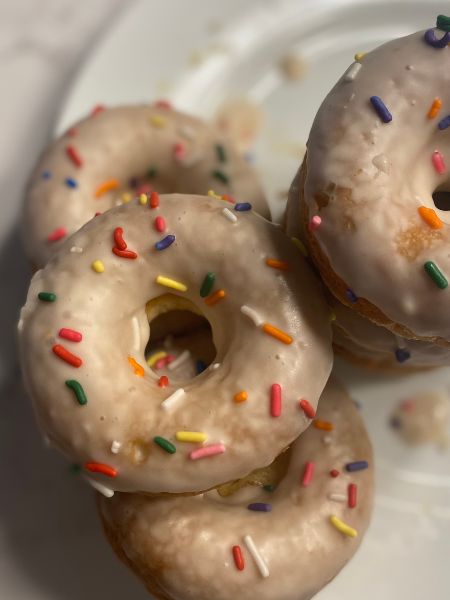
(128, 408)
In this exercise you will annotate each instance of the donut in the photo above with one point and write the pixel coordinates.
(116, 153)
(284, 541)
(372, 190)
(84, 330)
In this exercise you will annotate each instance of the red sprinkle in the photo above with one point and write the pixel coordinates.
(154, 200)
(70, 334)
(334, 473)
(124, 253)
(118, 239)
(97, 214)
(74, 156)
(163, 104)
(57, 234)
(67, 356)
(101, 468)
(160, 224)
(163, 381)
(179, 150)
(308, 473)
(352, 495)
(275, 400)
(307, 409)
(238, 558)
(98, 108)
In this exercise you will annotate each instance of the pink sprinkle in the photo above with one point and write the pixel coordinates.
(70, 334)
(206, 451)
(97, 110)
(58, 234)
(438, 162)
(275, 400)
(179, 151)
(308, 473)
(160, 224)
(169, 358)
(314, 223)
(160, 363)
(163, 104)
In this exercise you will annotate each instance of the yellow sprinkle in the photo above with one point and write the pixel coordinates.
(171, 283)
(343, 527)
(98, 266)
(213, 194)
(191, 436)
(240, 397)
(359, 56)
(143, 199)
(106, 186)
(276, 333)
(214, 298)
(126, 197)
(158, 121)
(300, 245)
(138, 370)
(153, 358)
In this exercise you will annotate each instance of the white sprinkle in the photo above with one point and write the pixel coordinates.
(260, 562)
(326, 440)
(214, 366)
(182, 358)
(118, 202)
(401, 343)
(116, 446)
(187, 132)
(107, 492)
(252, 314)
(352, 71)
(337, 497)
(136, 333)
(76, 250)
(229, 215)
(173, 398)
(20, 325)
(46, 441)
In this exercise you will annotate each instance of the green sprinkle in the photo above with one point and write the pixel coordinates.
(443, 23)
(47, 296)
(221, 154)
(78, 390)
(152, 172)
(436, 275)
(221, 176)
(207, 284)
(75, 469)
(270, 488)
(165, 444)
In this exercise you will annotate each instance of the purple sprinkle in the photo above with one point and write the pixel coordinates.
(358, 465)
(46, 175)
(444, 123)
(260, 506)
(351, 296)
(242, 206)
(402, 354)
(165, 242)
(438, 43)
(70, 182)
(381, 109)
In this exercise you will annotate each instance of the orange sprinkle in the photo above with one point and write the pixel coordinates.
(154, 200)
(214, 298)
(325, 425)
(430, 217)
(106, 186)
(278, 334)
(138, 370)
(435, 108)
(240, 396)
(277, 264)
(101, 468)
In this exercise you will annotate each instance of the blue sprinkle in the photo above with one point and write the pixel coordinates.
(402, 354)
(260, 506)
(165, 242)
(438, 43)
(242, 206)
(358, 465)
(381, 109)
(444, 123)
(351, 296)
(46, 175)
(70, 182)
(200, 366)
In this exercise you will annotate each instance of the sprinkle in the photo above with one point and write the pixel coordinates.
(240, 397)
(259, 561)
(443, 23)
(165, 242)
(98, 108)
(158, 121)
(74, 156)
(314, 223)
(229, 215)
(434, 108)
(107, 492)
(94, 467)
(138, 369)
(161, 363)
(171, 283)
(238, 558)
(352, 495)
(271, 487)
(124, 253)
(438, 162)
(275, 400)
(118, 239)
(179, 151)
(136, 333)
(351, 296)
(126, 197)
(173, 398)
(98, 266)
(70, 334)
(78, 391)
(47, 296)
(437, 43)
(435, 274)
(444, 123)
(212, 194)
(165, 104)
(352, 71)
(57, 234)
(72, 132)
(359, 56)
(165, 444)
(71, 182)
(242, 206)
(214, 366)
(191, 436)
(206, 451)
(430, 217)
(76, 250)
(324, 425)
(154, 200)
(334, 473)
(46, 175)
(106, 186)
(182, 358)
(115, 447)
(252, 315)
(282, 265)
(143, 199)
(207, 284)
(308, 473)
(358, 465)
(337, 497)
(221, 153)
(67, 356)
(160, 224)
(300, 245)
(402, 355)
(200, 366)
(307, 408)
(163, 381)
(154, 358)
(381, 109)
(260, 507)
(343, 527)
(215, 298)
(277, 333)
(221, 176)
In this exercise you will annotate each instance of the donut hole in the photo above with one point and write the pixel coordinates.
(179, 334)
(441, 197)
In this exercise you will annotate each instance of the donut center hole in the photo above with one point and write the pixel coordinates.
(181, 343)
(441, 198)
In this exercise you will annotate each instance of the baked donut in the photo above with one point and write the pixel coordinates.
(373, 182)
(84, 330)
(284, 544)
(117, 153)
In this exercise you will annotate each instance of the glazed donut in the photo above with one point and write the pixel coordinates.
(377, 154)
(289, 545)
(116, 153)
(84, 330)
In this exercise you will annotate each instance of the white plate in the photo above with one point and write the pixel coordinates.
(50, 542)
